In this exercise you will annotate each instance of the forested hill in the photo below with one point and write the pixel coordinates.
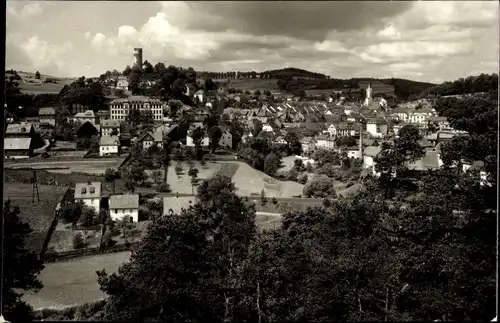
(471, 84)
(292, 72)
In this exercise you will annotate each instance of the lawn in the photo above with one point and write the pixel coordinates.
(38, 215)
(40, 88)
(182, 183)
(250, 181)
(74, 281)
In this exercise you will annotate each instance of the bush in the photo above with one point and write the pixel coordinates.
(274, 201)
(302, 179)
(78, 242)
(292, 174)
(164, 188)
(320, 187)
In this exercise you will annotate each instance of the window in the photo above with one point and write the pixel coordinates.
(84, 190)
(92, 190)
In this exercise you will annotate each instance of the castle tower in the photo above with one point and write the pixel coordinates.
(138, 57)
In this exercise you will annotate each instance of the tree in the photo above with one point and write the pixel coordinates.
(134, 176)
(134, 79)
(263, 198)
(345, 141)
(78, 241)
(302, 178)
(111, 175)
(197, 135)
(21, 266)
(214, 135)
(256, 92)
(294, 145)
(147, 67)
(37, 75)
(71, 212)
(320, 187)
(193, 173)
(127, 71)
(88, 216)
(271, 164)
(298, 164)
(159, 68)
(257, 127)
(199, 273)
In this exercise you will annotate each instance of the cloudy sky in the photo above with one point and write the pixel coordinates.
(423, 40)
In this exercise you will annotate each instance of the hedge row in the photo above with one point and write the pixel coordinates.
(227, 170)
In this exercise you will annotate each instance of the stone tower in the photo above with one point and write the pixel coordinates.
(138, 57)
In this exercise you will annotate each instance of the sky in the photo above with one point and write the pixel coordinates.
(430, 41)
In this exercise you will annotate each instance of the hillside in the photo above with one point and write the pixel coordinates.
(28, 83)
(291, 72)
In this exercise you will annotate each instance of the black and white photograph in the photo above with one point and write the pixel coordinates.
(250, 161)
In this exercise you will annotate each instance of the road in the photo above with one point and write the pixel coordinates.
(43, 163)
(73, 281)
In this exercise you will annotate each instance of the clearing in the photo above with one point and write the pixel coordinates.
(250, 181)
(74, 281)
(182, 183)
(38, 215)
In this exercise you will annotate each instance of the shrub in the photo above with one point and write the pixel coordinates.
(320, 187)
(163, 188)
(274, 201)
(302, 179)
(78, 242)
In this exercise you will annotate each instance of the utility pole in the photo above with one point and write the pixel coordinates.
(35, 187)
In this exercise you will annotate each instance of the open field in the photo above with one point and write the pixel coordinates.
(38, 215)
(250, 84)
(249, 180)
(182, 183)
(80, 166)
(74, 281)
(62, 238)
(40, 88)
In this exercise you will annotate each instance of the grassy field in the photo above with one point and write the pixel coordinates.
(250, 84)
(182, 183)
(250, 181)
(29, 84)
(73, 281)
(38, 215)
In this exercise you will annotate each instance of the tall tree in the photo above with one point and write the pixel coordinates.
(21, 267)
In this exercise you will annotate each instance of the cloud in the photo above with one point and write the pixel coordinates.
(426, 40)
(22, 10)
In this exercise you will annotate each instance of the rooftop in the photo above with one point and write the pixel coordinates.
(110, 123)
(109, 141)
(87, 190)
(124, 201)
(16, 143)
(47, 112)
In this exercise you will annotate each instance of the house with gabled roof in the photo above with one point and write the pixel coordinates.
(308, 145)
(89, 193)
(125, 206)
(47, 116)
(152, 138)
(369, 155)
(16, 148)
(110, 127)
(109, 146)
(87, 116)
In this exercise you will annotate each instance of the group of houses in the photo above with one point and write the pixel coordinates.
(122, 206)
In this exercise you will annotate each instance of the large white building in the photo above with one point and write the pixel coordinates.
(120, 109)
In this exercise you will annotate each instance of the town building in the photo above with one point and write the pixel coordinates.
(110, 127)
(369, 155)
(89, 193)
(124, 206)
(109, 146)
(120, 109)
(16, 148)
(151, 138)
(87, 116)
(376, 127)
(47, 116)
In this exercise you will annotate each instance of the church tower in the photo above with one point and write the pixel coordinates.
(368, 99)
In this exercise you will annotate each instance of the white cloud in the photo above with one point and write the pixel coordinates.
(26, 11)
(87, 35)
(43, 54)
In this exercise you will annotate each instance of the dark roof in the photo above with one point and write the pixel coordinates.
(47, 112)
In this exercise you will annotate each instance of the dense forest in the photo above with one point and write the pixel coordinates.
(471, 84)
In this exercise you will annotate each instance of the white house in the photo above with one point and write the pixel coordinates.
(226, 140)
(353, 152)
(368, 158)
(151, 138)
(124, 206)
(110, 127)
(200, 95)
(280, 141)
(325, 142)
(47, 116)
(122, 84)
(89, 193)
(377, 127)
(83, 117)
(108, 145)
